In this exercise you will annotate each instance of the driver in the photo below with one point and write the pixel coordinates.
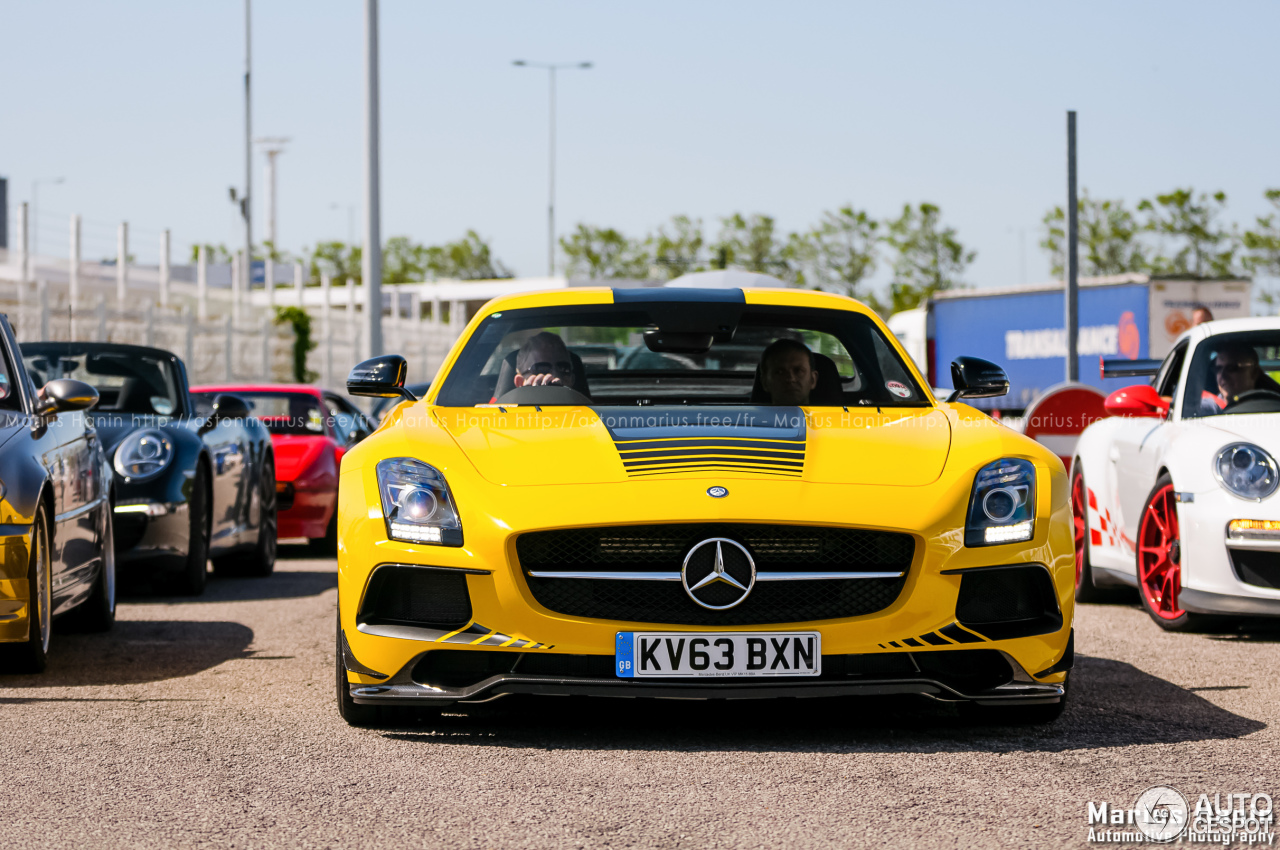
(1237, 370)
(544, 361)
(787, 373)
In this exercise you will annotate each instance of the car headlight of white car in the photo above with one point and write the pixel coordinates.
(1247, 471)
(143, 455)
(1002, 508)
(416, 503)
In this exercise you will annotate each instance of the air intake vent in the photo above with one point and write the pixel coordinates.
(416, 596)
(1008, 602)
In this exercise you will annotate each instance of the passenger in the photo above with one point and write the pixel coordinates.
(544, 361)
(787, 372)
(1237, 369)
(1200, 315)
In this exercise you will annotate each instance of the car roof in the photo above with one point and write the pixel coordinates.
(45, 346)
(605, 295)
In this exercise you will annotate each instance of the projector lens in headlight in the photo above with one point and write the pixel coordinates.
(1247, 471)
(416, 503)
(143, 454)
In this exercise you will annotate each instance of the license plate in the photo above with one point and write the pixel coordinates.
(718, 654)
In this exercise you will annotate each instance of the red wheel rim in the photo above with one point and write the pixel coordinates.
(1079, 514)
(1159, 570)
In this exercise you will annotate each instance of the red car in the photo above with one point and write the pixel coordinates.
(310, 430)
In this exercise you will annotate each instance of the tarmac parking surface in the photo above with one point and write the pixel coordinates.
(211, 722)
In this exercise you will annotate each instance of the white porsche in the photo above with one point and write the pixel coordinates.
(1175, 493)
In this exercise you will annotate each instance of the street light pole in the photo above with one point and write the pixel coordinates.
(35, 209)
(246, 209)
(551, 68)
(371, 256)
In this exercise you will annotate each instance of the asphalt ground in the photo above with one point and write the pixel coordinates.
(211, 722)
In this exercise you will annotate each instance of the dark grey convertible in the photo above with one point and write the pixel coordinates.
(188, 488)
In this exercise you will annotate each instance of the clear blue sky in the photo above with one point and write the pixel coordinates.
(703, 108)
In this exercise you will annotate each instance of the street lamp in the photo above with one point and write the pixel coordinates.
(551, 68)
(33, 223)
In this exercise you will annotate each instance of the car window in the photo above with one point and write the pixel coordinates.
(622, 354)
(285, 413)
(1234, 373)
(10, 397)
(130, 382)
(1170, 373)
(349, 423)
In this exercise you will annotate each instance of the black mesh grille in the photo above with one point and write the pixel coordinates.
(663, 547)
(419, 597)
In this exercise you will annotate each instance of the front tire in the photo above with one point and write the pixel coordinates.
(351, 711)
(1159, 564)
(194, 574)
(32, 655)
(1086, 589)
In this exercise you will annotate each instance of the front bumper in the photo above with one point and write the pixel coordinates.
(146, 529)
(1211, 583)
(506, 615)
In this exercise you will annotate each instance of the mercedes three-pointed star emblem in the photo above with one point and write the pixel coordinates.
(731, 567)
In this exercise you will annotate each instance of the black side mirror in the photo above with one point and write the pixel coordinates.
(380, 377)
(66, 394)
(226, 406)
(974, 377)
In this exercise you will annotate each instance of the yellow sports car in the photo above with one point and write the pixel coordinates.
(697, 493)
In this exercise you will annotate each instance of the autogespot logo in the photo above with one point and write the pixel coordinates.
(1161, 813)
(718, 573)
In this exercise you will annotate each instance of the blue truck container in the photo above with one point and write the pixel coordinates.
(1022, 328)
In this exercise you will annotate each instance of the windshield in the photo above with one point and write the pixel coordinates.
(691, 353)
(282, 413)
(1234, 373)
(127, 381)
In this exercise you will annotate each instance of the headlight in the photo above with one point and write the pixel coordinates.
(1247, 471)
(143, 455)
(1002, 508)
(416, 503)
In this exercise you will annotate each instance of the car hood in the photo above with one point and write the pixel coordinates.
(10, 424)
(580, 445)
(1260, 428)
(295, 454)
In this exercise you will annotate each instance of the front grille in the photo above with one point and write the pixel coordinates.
(774, 548)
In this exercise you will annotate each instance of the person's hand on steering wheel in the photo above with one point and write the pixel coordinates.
(539, 380)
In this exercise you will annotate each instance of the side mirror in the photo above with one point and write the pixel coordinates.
(380, 377)
(226, 406)
(66, 394)
(974, 377)
(1138, 400)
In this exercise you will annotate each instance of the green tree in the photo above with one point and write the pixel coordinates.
(839, 253)
(929, 258)
(468, 258)
(753, 244)
(337, 259)
(300, 319)
(214, 253)
(1108, 238)
(603, 253)
(1262, 246)
(403, 261)
(678, 250)
(1189, 224)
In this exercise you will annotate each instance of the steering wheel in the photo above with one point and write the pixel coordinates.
(1264, 400)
